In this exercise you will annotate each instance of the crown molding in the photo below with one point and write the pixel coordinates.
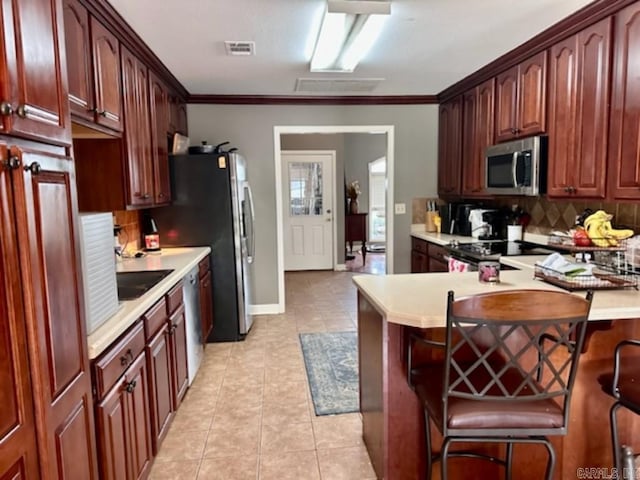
(586, 16)
(313, 100)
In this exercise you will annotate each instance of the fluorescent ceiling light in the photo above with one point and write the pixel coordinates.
(349, 29)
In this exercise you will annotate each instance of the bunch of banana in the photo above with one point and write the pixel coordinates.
(600, 231)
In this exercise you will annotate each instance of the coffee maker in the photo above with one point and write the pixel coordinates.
(448, 213)
(462, 222)
(497, 221)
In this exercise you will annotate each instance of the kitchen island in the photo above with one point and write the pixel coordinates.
(390, 307)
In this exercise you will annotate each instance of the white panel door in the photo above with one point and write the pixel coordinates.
(308, 180)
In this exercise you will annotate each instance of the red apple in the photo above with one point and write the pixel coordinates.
(581, 238)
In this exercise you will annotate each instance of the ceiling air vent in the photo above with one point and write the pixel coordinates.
(337, 85)
(240, 48)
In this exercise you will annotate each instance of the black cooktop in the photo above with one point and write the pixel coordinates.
(491, 250)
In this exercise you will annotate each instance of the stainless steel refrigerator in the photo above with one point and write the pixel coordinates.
(212, 205)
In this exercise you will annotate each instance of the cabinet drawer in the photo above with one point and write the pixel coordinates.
(174, 298)
(155, 318)
(115, 361)
(438, 252)
(203, 267)
(418, 245)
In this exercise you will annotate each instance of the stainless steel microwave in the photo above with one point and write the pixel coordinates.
(517, 167)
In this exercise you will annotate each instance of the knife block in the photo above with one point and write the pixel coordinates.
(429, 222)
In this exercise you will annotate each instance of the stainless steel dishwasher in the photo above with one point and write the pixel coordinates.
(191, 294)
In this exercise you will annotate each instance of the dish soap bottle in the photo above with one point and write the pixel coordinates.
(151, 235)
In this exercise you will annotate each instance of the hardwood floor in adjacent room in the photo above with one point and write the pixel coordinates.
(249, 414)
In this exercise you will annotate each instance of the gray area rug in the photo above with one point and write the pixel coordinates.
(331, 360)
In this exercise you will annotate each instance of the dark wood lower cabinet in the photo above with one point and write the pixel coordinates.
(178, 342)
(124, 426)
(160, 382)
(427, 257)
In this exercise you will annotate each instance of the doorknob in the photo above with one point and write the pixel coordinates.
(329, 210)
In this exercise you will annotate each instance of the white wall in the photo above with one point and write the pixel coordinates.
(250, 128)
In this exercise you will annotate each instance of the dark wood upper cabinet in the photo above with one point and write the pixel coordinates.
(477, 135)
(624, 151)
(137, 133)
(579, 72)
(33, 90)
(521, 99)
(106, 76)
(17, 426)
(159, 110)
(46, 217)
(449, 147)
(78, 47)
(178, 116)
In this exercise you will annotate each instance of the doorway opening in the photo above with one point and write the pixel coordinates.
(339, 211)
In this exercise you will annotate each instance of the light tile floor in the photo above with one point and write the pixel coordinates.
(249, 414)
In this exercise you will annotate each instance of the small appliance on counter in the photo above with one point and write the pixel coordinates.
(448, 217)
(151, 235)
(497, 222)
(462, 222)
(479, 226)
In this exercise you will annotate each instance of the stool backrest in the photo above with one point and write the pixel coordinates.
(518, 345)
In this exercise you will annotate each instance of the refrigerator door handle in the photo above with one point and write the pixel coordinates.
(252, 240)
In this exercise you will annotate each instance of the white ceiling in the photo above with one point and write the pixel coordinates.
(426, 45)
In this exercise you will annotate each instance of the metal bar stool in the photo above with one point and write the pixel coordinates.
(505, 377)
(624, 385)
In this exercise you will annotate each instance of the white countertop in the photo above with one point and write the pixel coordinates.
(418, 231)
(180, 260)
(420, 299)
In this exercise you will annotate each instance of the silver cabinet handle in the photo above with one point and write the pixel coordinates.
(12, 163)
(22, 111)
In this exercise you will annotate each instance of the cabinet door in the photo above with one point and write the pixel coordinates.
(33, 90)
(138, 418)
(624, 151)
(469, 187)
(178, 328)
(19, 459)
(160, 386)
(112, 434)
(46, 214)
(137, 131)
(579, 89)
(182, 126)
(106, 74)
(437, 266)
(419, 262)
(206, 305)
(477, 134)
(449, 147)
(159, 112)
(506, 104)
(78, 49)
(563, 92)
(532, 94)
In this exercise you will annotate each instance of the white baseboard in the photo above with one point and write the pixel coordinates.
(265, 309)
(340, 267)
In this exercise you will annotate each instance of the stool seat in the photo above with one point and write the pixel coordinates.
(465, 414)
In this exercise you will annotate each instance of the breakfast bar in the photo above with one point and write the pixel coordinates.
(393, 306)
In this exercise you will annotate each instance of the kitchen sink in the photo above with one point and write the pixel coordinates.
(132, 285)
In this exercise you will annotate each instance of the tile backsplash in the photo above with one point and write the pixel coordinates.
(547, 215)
